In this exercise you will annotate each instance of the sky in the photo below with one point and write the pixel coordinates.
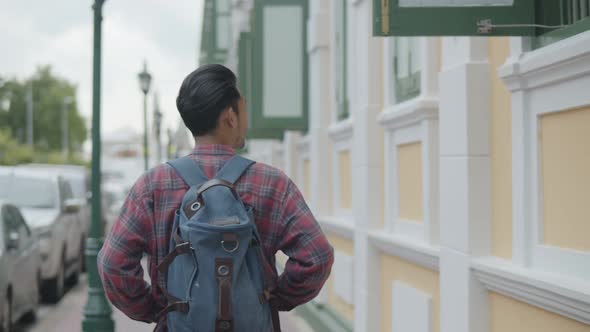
(166, 34)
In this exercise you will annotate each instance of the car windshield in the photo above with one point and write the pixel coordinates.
(78, 186)
(28, 192)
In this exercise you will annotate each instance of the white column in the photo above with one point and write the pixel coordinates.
(465, 211)
(290, 155)
(320, 92)
(365, 95)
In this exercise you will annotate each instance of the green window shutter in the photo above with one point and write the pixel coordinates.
(452, 18)
(207, 41)
(406, 68)
(340, 58)
(574, 15)
(222, 29)
(216, 33)
(279, 80)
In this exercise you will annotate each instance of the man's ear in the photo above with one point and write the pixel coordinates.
(229, 117)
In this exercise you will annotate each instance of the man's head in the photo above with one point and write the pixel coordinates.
(211, 106)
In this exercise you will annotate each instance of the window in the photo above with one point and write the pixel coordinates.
(223, 24)
(551, 19)
(340, 58)
(216, 34)
(550, 158)
(573, 15)
(275, 64)
(406, 64)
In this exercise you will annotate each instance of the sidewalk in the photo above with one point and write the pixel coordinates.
(67, 316)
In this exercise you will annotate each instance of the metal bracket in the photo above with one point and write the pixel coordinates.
(484, 26)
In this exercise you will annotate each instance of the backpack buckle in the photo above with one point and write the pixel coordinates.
(227, 239)
(228, 249)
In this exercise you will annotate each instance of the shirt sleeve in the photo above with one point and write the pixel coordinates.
(119, 260)
(310, 255)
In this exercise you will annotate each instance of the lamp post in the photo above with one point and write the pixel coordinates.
(97, 311)
(145, 79)
(64, 126)
(157, 128)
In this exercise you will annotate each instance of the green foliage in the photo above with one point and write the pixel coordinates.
(49, 94)
(12, 153)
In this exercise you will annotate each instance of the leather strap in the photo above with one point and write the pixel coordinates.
(224, 275)
(216, 183)
(182, 247)
(179, 249)
(174, 306)
(269, 287)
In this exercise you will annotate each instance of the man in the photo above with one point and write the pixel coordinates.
(213, 110)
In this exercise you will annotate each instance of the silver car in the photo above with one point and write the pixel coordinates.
(79, 179)
(19, 268)
(47, 203)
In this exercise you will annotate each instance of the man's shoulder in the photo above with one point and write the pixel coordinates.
(269, 171)
(159, 177)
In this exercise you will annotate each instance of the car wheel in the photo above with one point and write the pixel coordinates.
(55, 288)
(7, 315)
(75, 277)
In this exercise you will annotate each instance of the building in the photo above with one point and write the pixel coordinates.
(449, 173)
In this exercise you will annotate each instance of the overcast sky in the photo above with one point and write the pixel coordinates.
(59, 33)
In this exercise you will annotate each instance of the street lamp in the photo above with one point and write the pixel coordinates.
(145, 79)
(64, 126)
(97, 311)
(157, 127)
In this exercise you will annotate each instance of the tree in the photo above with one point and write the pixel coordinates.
(49, 94)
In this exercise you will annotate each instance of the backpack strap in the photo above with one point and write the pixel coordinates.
(233, 169)
(188, 170)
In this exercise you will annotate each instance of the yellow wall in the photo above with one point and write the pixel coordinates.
(501, 152)
(507, 315)
(565, 169)
(345, 246)
(345, 179)
(425, 280)
(306, 179)
(409, 162)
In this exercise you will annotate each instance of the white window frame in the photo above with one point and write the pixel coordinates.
(341, 134)
(429, 57)
(303, 156)
(548, 80)
(336, 63)
(413, 121)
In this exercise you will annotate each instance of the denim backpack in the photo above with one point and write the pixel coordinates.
(215, 276)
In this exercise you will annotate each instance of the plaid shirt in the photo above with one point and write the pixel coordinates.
(282, 217)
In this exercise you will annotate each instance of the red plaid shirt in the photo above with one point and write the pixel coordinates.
(144, 225)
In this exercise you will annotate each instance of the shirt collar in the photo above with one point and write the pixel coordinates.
(213, 149)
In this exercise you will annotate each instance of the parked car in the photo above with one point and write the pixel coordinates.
(79, 179)
(19, 267)
(47, 203)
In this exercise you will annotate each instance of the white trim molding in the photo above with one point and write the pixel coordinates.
(303, 152)
(563, 296)
(407, 249)
(341, 134)
(411, 308)
(416, 121)
(340, 226)
(547, 80)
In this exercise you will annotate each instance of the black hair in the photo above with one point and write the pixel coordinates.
(204, 94)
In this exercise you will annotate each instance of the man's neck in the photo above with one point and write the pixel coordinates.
(210, 139)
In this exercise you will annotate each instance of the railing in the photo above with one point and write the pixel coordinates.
(573, 10)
